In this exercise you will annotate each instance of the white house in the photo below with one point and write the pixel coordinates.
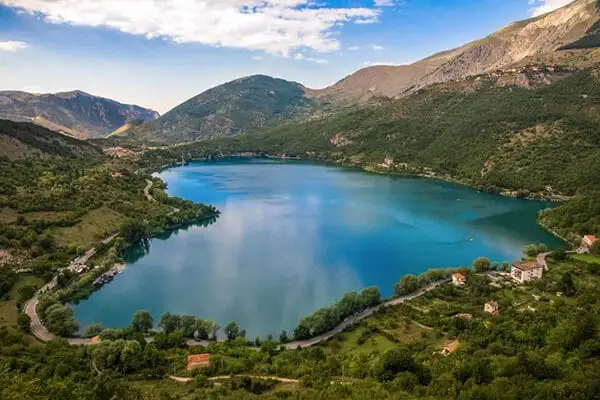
(588, 241)
(526, 271)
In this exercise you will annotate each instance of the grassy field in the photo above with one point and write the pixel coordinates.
(186, 391)
(25, 280)
(380, 333)
(590, 258)
(93, 227)
(8, 309)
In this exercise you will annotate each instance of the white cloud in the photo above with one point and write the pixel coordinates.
(273, 26)
(372, 63)
(257, 58)
(363, 21)
(383, 3)
(353, 48)
(301, 57)
(544, 6)
(12, 46)
(377, 47)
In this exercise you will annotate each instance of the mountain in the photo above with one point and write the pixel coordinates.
(235, 107)
(73, 113)
(574, 26)
(22, 139)
(567, 37)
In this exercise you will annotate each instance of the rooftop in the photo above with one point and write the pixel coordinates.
(458, 275)
(198, 358)
(526, 265)
(591, 238)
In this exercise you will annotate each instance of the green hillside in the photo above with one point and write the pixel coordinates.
(235, 107)
(22, 139)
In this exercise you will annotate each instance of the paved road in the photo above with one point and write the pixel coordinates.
(541, 260)
(358, 317)
(30, 307)
(149, 184)
(37, 328)
(45, 336)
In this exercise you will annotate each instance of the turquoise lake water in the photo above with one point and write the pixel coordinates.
(295, 236)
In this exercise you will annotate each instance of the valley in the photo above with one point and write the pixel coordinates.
(418, 231)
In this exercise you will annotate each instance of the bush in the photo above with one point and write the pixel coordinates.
(24, 322)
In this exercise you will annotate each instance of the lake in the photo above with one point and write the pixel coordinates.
(295, 236)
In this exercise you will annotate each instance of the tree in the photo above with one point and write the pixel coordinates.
(541, 248)
(481, 264)
(283, 337)
(392, 362)
(189, 325)
(595, 249)
(531, 250)
(93, 330)
(26, 292)
(495, 266)
(408, 284)
(112, 334)
(505, 266)
(370, 297)
(232, 331)
(169, 322)
(24, 322)
(559, 255)
(142, 321)
(566, 284)
(134, 231)
(59, 320)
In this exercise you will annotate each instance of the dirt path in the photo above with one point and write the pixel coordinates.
(224, 377)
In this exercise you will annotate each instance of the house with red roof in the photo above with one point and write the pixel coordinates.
(198, 361)
(458, 279)
(588, 241)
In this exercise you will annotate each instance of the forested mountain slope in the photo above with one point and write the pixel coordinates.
(23, 139)
(74, 113)
(235, 107)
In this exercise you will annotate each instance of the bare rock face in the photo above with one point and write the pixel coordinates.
(72, 113)
(575, 26)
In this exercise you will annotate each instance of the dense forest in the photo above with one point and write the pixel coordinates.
(544, 344)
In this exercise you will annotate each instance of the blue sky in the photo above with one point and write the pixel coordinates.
(158, 53)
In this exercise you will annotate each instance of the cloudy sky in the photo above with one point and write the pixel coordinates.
(158, 53)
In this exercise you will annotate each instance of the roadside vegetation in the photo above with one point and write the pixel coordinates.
(441, 345)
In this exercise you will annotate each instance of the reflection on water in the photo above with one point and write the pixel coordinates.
(142, 248)
(293, 237)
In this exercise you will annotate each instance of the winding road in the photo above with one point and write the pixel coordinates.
(39, 330)
(149, 184)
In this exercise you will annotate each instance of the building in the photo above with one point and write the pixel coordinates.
(450, 348)
(198, 361)
(388, 161)
(526, 271)
(588, 241)
(458, 279)
(492, 308)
